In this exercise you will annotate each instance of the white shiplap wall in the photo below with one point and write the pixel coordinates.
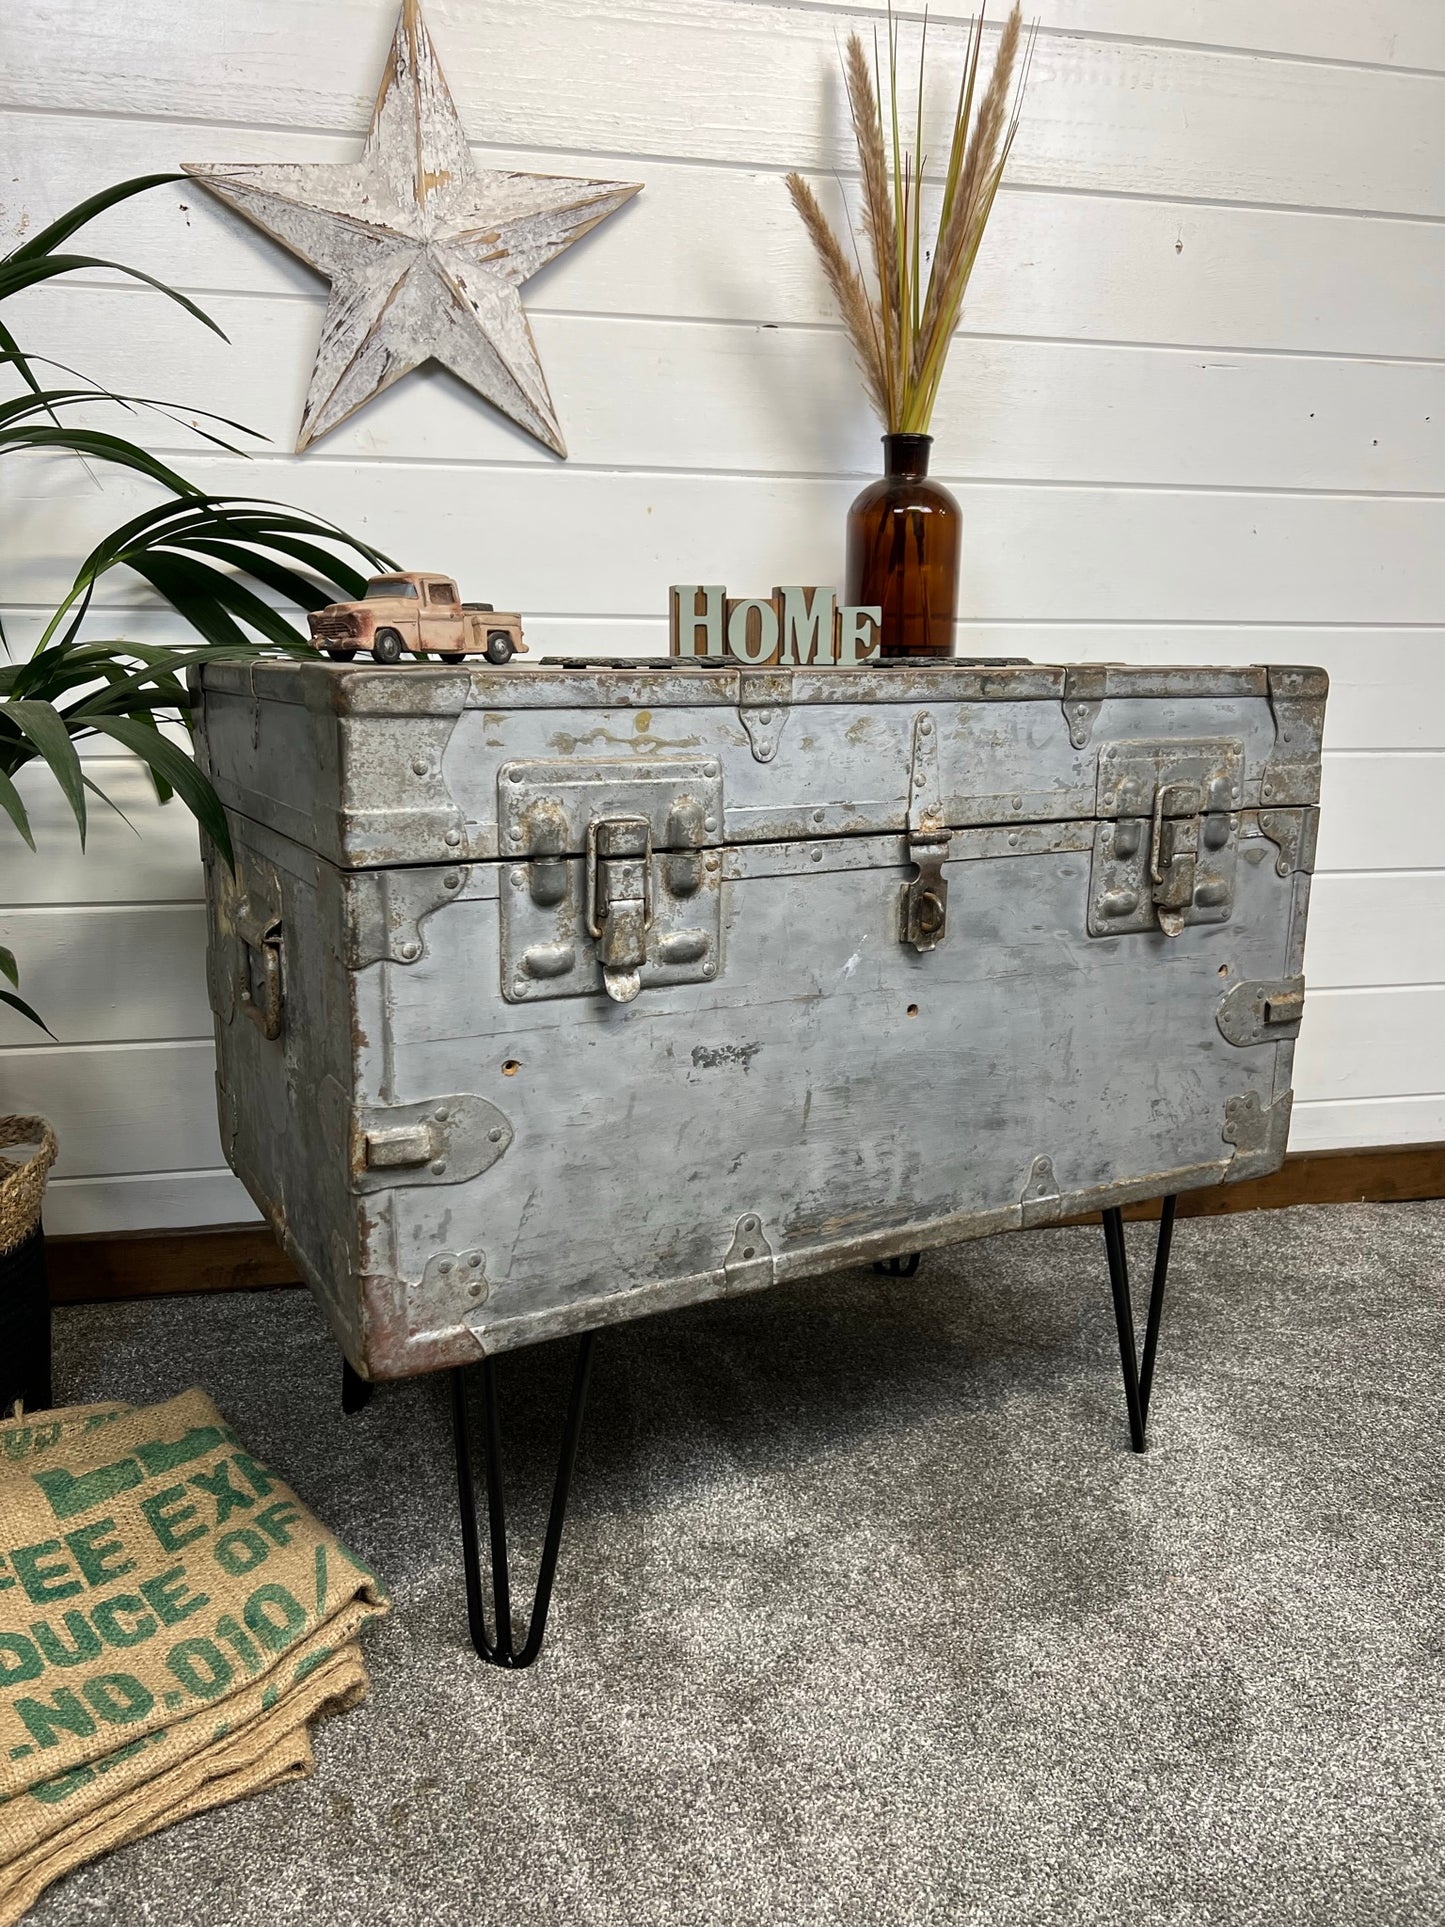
(1197, 417)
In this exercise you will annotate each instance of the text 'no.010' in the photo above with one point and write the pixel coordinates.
(791, 626)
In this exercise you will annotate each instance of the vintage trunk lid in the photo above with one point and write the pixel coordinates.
(410, 765)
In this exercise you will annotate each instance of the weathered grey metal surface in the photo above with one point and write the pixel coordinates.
(408, 774)
(456, 1164)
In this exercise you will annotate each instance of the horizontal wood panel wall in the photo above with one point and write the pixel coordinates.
(1197, 415)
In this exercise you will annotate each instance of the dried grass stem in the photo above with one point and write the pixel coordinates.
(901, 327)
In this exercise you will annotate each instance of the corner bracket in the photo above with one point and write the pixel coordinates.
(1259, 1132)
(748, 1265)
(1297, 703)
(387, 908)
(1294, 832)
(1040, 1202)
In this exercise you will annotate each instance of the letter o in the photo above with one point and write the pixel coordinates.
(274, 1634)
(119, 1697)
(767, 629)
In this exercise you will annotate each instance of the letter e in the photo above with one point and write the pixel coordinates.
(859, 633)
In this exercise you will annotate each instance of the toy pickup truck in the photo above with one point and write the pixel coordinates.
(421, 613)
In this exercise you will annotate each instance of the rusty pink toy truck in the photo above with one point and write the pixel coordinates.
(416, 612)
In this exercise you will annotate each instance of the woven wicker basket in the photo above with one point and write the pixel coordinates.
(24, 1298)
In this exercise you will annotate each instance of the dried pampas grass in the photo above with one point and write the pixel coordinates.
(901, 333)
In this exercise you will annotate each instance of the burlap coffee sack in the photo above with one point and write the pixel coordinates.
(25, 1434)
(37, 1813)
(159, 1591)
(265, 1753)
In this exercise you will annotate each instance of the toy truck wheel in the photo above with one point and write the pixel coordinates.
(387, 646)
(499, 647)
(342, 655)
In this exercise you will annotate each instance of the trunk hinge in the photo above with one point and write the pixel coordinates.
(1085, 685)
(764, 701)
(748, 1265)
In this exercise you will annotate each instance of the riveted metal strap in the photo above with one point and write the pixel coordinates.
(1295, 833)
(1040, 1202)
(443, 1140)
(388, 909)
(1084, 687)
(923, 908)
(1258, 1131)
(1261, 1012)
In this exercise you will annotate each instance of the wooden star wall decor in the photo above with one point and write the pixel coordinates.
(425, 253)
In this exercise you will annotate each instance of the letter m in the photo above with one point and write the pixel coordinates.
(806, 625)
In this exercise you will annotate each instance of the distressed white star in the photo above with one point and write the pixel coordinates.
(425, 253)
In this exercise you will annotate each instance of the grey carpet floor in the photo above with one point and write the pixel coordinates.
(867, 1614)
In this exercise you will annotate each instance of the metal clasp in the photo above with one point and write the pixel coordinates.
(1166, 842)
(619, 899)
(923, 919)
(925, 900)
(1173, 853)
(259, 991)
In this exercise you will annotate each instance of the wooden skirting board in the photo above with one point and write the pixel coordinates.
(247, 1258)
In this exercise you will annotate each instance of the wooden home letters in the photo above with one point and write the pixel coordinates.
(793, 627)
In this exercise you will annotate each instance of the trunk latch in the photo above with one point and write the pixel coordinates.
(619, 899)
(1166, 847)
(923, 912)
(925, 900)
(612, 876)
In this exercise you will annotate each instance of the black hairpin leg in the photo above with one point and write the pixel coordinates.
(499, 1650)
(900, 1267)
(356, 1391)
(1138, 1372)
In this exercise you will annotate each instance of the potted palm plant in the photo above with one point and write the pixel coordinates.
(215, 560)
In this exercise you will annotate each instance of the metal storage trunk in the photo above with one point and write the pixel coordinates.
(553, 996)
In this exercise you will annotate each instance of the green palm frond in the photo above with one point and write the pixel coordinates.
(228, 565)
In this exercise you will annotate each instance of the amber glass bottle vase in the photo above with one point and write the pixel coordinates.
(903, 538)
